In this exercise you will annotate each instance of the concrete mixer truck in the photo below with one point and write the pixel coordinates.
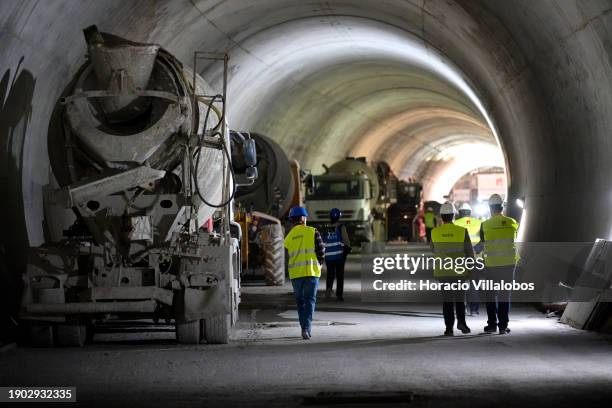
(261, 206)
(138, 210)
(360, 190)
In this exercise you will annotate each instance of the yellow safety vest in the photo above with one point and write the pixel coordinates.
(472, 225)
(448, 242)
(430, 219)
(499, 241)
(300, 244)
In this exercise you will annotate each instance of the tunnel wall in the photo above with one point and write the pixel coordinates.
(541, 69)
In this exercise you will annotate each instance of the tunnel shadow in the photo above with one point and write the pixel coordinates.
(286, 302)
(290, 341)
(16, 97)
(401, 313)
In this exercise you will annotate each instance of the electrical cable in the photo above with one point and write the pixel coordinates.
(195, 169)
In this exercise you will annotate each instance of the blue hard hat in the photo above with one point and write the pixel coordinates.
(335, 213)
(298, 212)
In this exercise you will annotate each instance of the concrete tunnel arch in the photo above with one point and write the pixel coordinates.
(541, 70)
(349, 83)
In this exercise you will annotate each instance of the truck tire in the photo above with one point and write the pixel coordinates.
(71, 335)
(272, 242)
(217, 329)
(189, 332)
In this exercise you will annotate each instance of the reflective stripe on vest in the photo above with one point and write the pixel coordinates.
(499, 241)
(473, 227)
(333, 243)
(301, 252)
(300, 244)
(448, 242)
(430, 219)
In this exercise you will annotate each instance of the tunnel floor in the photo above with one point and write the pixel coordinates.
(393, 354)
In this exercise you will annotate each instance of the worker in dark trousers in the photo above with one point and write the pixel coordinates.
(337, 248)
(430, 222)
(498, 234)
(451, 241)
(464, 219)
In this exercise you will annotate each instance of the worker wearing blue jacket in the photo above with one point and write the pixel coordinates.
(337, 247)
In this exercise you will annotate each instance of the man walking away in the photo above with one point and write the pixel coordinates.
(465, 220)
(337, 248)
(430, 222)
(305, 253)
(498, 234)
(451, 241)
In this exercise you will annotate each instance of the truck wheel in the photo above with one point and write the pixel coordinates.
(71, 335)
(217, 329)
(189, 332)
(39, 335)
(274, 254)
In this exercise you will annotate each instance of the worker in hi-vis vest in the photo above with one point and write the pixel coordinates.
(337, 248)
(430, 222)
(464, 219)
(498, 234)
(451, 241)
(304, 253)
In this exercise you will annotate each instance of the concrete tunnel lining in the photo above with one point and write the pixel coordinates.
(330, 97)
(436, 88)
(539, 96)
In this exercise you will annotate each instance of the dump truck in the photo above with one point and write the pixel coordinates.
(402, 215)
(360, 190)
(261, 207)
(139, 208)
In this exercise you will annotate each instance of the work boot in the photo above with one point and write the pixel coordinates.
(490, 328)
(328, 293)
(464, 328)
(504, 330)
(449, 332)
(305, 334)
(339, 299)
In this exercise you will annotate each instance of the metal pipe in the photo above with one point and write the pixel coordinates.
(225, 134)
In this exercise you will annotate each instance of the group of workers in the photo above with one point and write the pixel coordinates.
(464, 236)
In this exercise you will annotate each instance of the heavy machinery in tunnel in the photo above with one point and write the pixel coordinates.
(401, 81)
(261, 209)
(402, 215)
(138, 212)
(361, 190)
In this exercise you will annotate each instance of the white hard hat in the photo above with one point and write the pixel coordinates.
(465, 207)
(447, 208)
(495, 199)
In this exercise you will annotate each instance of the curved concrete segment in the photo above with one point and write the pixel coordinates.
(410, 81)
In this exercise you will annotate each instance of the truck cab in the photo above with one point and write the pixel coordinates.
(352, 194)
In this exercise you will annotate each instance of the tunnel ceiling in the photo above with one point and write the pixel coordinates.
(417, 83)
(327, 84)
